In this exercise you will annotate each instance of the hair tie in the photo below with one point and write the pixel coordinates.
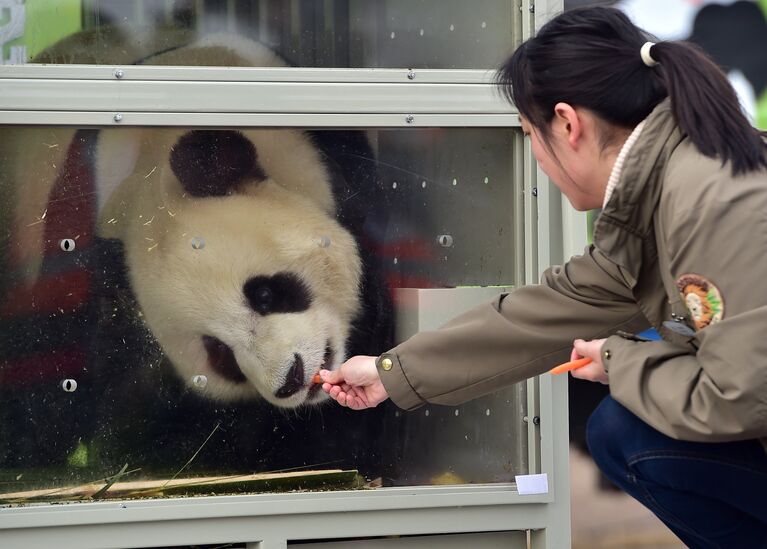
(645, 53)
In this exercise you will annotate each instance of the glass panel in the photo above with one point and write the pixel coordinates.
(167, 294)
(435, 34)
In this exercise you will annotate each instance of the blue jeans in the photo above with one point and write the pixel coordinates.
(708, 494)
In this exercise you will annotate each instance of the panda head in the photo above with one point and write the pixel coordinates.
(240, 269)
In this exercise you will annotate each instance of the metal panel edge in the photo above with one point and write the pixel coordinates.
(243, 74)
(274, 531)
(186, 119)
(244, 97)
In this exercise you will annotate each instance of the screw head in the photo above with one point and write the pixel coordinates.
(535, 191)
(67, 244)
(411, 75)
(409, 119)
(445, 240)
(119, 73)
(69, 385)
(117, 117)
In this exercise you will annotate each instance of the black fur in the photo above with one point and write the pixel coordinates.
(277, 293)
(214, 162)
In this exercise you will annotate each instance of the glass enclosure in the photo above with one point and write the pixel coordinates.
(168, 293)
(191, 231)
(434, 34)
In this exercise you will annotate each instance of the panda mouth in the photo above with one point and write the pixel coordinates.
(294, 380)
(221, 359)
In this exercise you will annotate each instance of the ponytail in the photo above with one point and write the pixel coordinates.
(590, 57)
(706, 106)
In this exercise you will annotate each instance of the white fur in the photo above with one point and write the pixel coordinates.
(116, 155)
(254, 53)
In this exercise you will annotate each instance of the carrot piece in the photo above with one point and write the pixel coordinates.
(317, 379)
(573, 365)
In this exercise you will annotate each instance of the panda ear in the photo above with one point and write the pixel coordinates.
(214, 162)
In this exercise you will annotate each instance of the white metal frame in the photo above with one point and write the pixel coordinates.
(184, 96)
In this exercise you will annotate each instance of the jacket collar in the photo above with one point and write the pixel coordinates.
(627, 218)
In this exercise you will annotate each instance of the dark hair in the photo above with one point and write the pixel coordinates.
(590, 57)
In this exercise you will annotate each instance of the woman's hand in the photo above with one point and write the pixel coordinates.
(592, 349)
(355, 384)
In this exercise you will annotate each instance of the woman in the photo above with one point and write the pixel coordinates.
(652, 134)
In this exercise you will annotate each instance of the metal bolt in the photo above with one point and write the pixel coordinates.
(69, 385)
(536, 420)
(411, 74)
(445, 240)
(198, 243)
(409, 118)
(67, 244)
(524, 419)
(535, 191)
(532, 8)
(117, 117)
(119, 73)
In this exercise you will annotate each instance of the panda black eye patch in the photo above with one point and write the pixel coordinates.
(278, 293)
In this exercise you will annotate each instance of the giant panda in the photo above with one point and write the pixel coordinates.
(227, 267)
(238, 265)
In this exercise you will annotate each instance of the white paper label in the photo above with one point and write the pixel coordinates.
(532, 484)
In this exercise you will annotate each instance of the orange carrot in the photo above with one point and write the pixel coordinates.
(317, 379)
(573, 365)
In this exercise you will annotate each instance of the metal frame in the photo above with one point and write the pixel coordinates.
(191, 96)
(268, 521)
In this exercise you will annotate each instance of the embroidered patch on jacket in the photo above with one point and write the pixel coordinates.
(703, 299)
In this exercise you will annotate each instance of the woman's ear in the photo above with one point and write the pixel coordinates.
(567, 124)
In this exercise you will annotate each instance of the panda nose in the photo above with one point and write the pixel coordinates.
(294, 381)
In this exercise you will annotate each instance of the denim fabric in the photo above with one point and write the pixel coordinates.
(711, 495)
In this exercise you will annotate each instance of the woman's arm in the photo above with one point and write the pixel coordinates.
(516, 336)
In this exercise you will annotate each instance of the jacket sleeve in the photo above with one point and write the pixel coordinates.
(718, 393)
(516, 336)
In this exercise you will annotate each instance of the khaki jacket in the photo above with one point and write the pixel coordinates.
(680, 241)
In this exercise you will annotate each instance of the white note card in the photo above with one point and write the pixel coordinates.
(532, 484)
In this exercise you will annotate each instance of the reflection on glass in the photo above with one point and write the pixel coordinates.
(434, 34)
(166, 295)
(207, 275)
